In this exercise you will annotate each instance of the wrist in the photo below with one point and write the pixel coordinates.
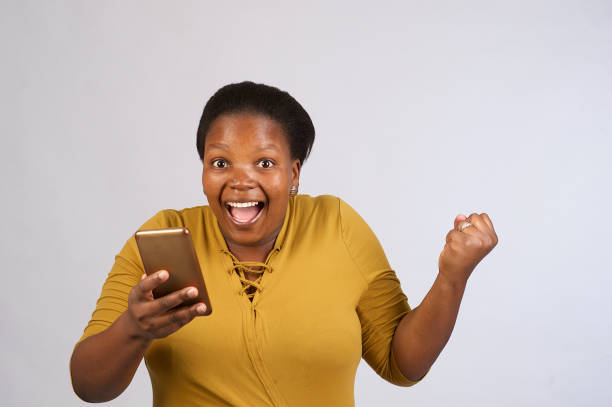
(134, 334)
(451, 283)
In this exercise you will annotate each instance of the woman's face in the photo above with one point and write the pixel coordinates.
(246, 176)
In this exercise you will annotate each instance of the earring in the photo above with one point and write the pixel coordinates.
(293, 190)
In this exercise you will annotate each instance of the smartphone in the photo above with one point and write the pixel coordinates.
(172, 250)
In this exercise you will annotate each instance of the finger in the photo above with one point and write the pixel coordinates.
(200, 309)
(459, 219)
(486, 218)
(174, 299)
(150, 282)
(480, 230)
(178, 318)
(455, 236)
(148, 295)
(183, 315)
(477, 223)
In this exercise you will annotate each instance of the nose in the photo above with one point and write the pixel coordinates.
(241, 179)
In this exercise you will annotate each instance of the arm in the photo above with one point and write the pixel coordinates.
(103, 365)
(422, 334)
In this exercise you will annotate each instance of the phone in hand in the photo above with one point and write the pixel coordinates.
(172, 250)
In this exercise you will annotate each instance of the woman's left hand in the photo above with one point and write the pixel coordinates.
(466, 246)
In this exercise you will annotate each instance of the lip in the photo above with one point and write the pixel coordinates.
(237, 222)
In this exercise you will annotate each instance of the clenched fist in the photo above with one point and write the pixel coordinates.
(466, 245)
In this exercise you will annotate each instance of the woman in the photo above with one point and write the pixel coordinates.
(300, 285)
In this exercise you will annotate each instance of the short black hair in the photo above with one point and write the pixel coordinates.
(256, 98)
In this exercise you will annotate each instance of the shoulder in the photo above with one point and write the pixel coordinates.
(318, 209)
(167, 218)
(359, 240)
(323, 203)
(327, 208)
(327, 213)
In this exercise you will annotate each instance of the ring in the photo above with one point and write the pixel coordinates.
(464, 225)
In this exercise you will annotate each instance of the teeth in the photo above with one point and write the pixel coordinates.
(242, 204)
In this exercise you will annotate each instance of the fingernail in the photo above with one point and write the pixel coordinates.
(162, 274)
(201, 308)
(192, 292)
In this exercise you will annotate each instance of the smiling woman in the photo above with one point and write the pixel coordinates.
(247, 174)
(301, 287)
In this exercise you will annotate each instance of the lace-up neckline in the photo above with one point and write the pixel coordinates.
(249, 287)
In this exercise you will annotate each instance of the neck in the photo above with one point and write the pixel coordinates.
(251, 253)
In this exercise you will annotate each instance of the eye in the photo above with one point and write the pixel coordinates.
(265, 163)
(219, 163)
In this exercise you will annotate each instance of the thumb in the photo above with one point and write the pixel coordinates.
(458, 219)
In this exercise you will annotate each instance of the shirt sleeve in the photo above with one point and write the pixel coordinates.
(125, 274)
(382, 304)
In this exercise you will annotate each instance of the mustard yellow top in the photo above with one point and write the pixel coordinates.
(327, 298)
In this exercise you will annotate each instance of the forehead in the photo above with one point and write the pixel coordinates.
(246, 129)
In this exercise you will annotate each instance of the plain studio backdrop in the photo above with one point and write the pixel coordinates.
(422, 111)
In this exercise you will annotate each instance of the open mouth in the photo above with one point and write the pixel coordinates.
(244, 213)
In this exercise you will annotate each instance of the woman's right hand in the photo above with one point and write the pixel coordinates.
(157, 318)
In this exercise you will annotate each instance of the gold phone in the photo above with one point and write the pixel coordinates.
(172, 250)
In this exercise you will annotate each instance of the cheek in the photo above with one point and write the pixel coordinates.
(278, 185)
(210, 185)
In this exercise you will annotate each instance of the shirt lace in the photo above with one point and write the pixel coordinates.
(249, 287)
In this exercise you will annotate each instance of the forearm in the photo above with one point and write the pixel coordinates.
(103, 365)
(422, 333)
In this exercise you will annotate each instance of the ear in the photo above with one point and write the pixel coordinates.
(296, 166)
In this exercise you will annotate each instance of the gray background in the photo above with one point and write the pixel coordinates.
(422, 111)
